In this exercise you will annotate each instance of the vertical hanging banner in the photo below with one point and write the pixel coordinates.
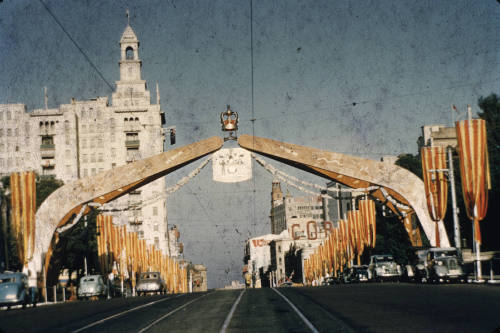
(23, 203)
(474, 169)
(232, 165)
(368, 216)
(436, 184)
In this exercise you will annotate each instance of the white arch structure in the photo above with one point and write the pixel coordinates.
(106, 186)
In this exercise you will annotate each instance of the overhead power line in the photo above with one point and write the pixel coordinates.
(76, 45)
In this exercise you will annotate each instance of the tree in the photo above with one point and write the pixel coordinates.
(45, 185)
(411, 163)
(293, 263)
(490, 226)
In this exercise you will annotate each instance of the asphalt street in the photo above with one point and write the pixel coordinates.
(394, 307)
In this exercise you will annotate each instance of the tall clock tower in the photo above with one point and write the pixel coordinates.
(131, 90)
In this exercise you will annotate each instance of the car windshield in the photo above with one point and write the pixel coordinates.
(8, 280)
(149, 276)
(445, 253)
(384, 259)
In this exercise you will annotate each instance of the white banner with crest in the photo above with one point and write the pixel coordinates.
(232, 165)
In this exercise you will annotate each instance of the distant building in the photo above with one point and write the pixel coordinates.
(197, 277)
(83, 138)
(289, 210)
(302, 222)
(439, 135)
(258, 257)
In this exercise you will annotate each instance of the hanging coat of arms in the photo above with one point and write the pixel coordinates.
(232, 165)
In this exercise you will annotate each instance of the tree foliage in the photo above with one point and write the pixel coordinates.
(490, 226)
(410, 162)
(293, 263)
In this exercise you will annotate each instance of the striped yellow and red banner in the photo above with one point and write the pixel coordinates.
(23, 209)
(368, 215)
(122, 249)
(436, 184)
(474, 169)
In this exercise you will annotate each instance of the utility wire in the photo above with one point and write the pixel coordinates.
(76, 45)
(253, 108)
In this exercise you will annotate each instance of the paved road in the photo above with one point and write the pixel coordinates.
(344, 308)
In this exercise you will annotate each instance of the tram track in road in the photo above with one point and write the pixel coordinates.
(168, 314)
(101, 321)
(324, 318)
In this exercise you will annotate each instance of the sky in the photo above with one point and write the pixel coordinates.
(354, 77)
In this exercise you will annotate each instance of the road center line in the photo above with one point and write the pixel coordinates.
(230, 315)
(121, 313)
(306, 321)
(144, 329)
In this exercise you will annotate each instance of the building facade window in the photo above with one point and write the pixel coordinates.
(155, 211)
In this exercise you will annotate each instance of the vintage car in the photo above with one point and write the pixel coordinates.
(92, 286)
(436, 265)
(14, 290)
(356, 274)
(384, 268)
(150, 283)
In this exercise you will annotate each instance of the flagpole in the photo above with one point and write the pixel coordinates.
(451, 178)
(478, 250)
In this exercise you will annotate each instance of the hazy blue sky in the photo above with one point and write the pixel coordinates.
(357, 77)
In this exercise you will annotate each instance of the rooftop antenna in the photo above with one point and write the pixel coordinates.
(45, 97)
(157, 94)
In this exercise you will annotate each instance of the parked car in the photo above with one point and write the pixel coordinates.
(384, 268)
(285, 284)
(14, 290)
(331, 280)
(356, 274)
(150, 283)
(92, 286)
(439, 265)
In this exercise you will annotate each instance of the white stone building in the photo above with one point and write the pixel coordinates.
(438, 135)
(83, 138)
(303, 222)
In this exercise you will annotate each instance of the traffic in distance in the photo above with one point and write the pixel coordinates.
(431, 265)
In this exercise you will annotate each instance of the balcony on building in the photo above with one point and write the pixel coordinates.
(132, 140)
(135, 221)
(132, 144)
(47, 147)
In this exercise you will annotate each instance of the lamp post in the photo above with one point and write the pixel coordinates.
(451, 179)
(86, 248)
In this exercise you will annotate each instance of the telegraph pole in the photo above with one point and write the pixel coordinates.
(85, 258)
(451, 178)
